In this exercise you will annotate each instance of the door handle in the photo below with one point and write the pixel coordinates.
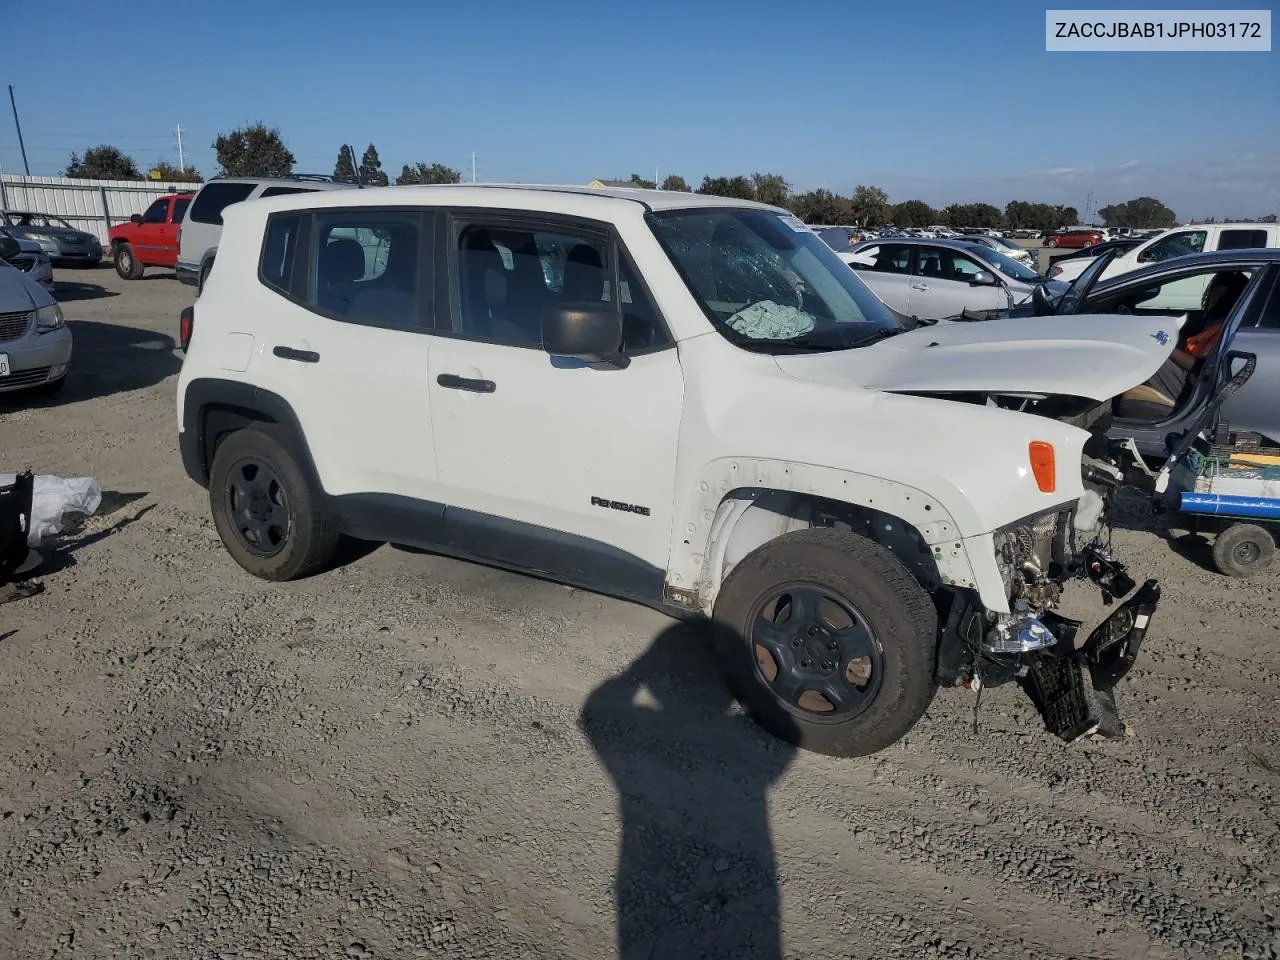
(292, 353)
(919, 286)
(451, 381)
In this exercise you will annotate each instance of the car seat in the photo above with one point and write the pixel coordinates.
(584, 275)
(341, 265)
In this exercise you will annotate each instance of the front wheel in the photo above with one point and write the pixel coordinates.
(828, 641)
(1243, 550)
(1051, 242)
(269, 518)
(126, 262)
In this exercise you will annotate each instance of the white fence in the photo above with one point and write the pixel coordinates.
(90, 205)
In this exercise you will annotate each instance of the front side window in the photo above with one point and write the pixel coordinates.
(507, 275)
(767, 282)
(1176, 245)
(1007, 265)
(216, 197)
(1242, 239)
(158, 212)
(364, 267)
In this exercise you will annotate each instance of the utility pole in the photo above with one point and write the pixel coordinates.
(182, 161)
(21, 146)
(473, 166)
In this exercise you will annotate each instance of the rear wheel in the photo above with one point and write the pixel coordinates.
(828, 641)
(269, 518)
(126, 261)
(204, 275)
(1243, 550)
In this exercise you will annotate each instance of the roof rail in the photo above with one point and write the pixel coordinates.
(309, 177)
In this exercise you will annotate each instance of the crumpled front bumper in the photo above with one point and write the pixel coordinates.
(1073, 687)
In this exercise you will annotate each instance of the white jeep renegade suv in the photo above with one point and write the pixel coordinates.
(684, 400)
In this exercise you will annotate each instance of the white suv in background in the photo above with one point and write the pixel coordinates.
(1178, 242)
(202, 225)
(685, 400)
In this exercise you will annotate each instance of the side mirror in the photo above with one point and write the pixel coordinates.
(1041, 302)
(136, 218)
(983, 278)
(1146, 256)
(9, 247)
(590, 332)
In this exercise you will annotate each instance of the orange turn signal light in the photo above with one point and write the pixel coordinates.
(1042, 465)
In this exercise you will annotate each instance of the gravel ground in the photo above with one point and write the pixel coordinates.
(411, 756)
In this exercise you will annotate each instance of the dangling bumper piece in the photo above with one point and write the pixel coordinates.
(1074, 688)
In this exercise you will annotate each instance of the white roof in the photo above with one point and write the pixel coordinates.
(587, 201)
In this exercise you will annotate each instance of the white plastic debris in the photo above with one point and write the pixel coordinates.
(53, 498)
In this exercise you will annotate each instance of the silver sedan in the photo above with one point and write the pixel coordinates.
(936, 279)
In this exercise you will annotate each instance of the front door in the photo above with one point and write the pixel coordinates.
(149, 237)
(944, 285)
(546, 463)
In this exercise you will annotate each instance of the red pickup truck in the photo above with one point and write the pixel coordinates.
(149, 239)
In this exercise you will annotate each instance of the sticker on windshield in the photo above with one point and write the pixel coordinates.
(795, 223)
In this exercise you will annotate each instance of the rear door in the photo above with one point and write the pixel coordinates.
(349, 335)
(886, 270)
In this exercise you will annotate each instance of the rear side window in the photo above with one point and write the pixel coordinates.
(893, 258)
(279, 250)
(1242, 239)
(216, 197)
(180, 208)
(283, 191)
(365, 266)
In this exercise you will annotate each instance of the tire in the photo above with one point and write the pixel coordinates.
(1051, 242)
(1243, 550)
(126, 261)
(887, 678)
(267, 513)
(204, 275)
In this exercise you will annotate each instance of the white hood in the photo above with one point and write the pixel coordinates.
(1091, 356)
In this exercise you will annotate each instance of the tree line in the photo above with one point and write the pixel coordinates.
(259, 150)
(252, 151)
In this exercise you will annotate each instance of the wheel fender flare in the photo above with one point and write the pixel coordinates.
(213, 407)
(739, 504)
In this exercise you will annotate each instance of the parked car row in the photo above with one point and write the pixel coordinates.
(28, 257)
(35, 344)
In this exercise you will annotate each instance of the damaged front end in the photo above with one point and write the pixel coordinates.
(1070, 678)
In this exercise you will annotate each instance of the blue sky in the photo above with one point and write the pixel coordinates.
(933, 100)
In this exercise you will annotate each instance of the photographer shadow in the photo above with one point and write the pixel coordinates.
(696, 875)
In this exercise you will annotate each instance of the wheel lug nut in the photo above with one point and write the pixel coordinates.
(806, 663)
(795, 642)
(826, 665)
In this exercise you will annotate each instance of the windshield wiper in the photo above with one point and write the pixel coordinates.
(875, 336)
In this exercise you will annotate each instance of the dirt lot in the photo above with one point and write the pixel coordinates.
(388, 760)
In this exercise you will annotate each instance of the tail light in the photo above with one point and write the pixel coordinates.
(186, 321)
